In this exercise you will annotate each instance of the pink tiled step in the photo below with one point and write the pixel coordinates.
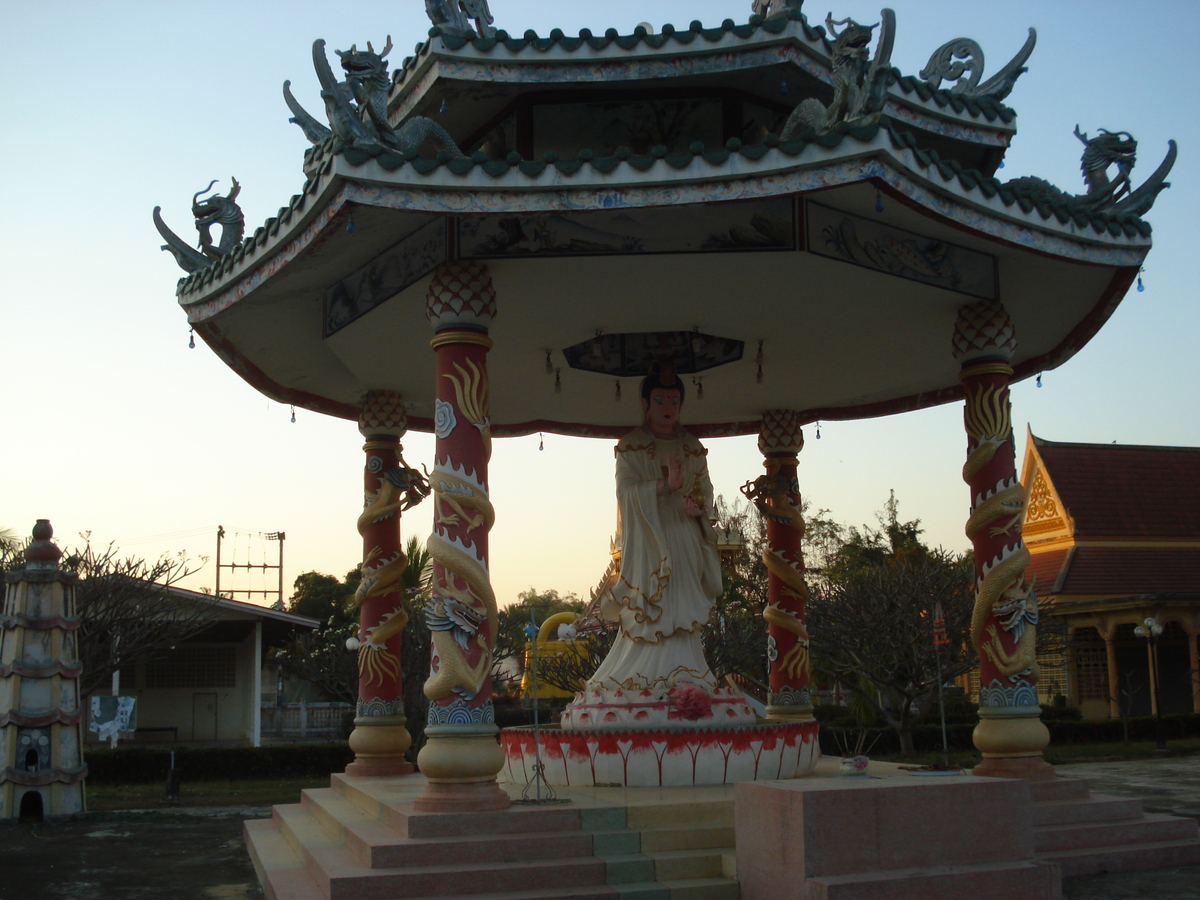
(375, 845)
(1138, 858)
(281, 870)
(1150, 828)
(341, 878)
(1091, 833)
(987, 881)
(1096, 808)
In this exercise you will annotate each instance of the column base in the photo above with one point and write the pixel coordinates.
(368, 767)
(379, 743)
(1030, 768)
(789, 713)
(472, 796)
(461, 763)
(1011, 739)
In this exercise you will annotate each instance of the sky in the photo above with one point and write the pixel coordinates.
(113, 426)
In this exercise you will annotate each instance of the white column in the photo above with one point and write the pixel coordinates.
(256, 689)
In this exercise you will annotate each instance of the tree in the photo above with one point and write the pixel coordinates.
(321, 656)
(323, 597)
(871, 621)
(128, 613)
(508, 654)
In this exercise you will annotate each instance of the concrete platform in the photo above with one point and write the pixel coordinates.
(361, 838)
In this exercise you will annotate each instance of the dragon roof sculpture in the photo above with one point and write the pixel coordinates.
(214, 210)
(771, 139)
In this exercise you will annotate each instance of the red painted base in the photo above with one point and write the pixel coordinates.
(369, 767)
(1030, 768)
(472, 796)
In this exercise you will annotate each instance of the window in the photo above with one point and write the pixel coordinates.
(194, 667)
(1091, 665)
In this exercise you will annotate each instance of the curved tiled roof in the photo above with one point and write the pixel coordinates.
(319, 162)
(986, 107)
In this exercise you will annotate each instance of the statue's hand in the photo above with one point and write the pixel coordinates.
(674, 472)
(692, 507)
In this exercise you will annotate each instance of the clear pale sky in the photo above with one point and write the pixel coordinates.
(111, 424)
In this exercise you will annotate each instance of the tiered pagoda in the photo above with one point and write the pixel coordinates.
(41, 731)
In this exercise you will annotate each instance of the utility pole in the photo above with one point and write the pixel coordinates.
(264, 567)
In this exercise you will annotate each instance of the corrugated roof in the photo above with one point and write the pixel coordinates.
(1122, 490)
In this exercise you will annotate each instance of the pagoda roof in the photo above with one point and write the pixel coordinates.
(1116, 571)
(729, 39)
(1121, 490)
(1015, 202)
(851, 329)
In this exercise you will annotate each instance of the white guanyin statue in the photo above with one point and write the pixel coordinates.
(655, 675)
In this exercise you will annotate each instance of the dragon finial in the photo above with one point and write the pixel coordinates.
(215, 210)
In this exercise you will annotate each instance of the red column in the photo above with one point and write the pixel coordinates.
(1010, 733)
(462, 755)
(379, 738)
(777, 496)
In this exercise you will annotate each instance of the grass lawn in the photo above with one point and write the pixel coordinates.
(248, 792)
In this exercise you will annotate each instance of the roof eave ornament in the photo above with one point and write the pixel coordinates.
(770, 9)
(1108, 196)
(214, 210)
(859, 88)
(454, 17)
(964, 57)
(357, 107)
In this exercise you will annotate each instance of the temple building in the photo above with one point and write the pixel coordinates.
(1113, 531)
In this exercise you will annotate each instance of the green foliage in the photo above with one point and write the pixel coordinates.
(140, 765)
(324, 598)
(508, 655)
(321, 657)
(871, 622)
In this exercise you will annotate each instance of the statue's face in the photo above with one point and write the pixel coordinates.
(662, 410)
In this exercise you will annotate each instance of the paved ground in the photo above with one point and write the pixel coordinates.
(198, 854)
(176, 855)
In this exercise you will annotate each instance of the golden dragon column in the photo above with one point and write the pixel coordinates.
(462, 755)
(1010, 733)
(379, 738)
(776, 493)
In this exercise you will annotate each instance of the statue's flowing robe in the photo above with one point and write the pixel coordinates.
(670, 570)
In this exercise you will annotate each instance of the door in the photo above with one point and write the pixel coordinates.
(204, 717)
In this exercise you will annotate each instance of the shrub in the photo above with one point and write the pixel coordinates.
(140, 765)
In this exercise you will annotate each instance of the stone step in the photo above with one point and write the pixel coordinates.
(670, 865)
(281, 871)
(1059, 789)
(1139, 858)
(987, 881)
(600, 892)
(1096, 808)
(341, 878)
(729, 864)
(687, 837)
(632, 868)
(303, 833)
(1151, 828)
(702, 889)
(694, 812)
(397, 813)
(375, 845)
